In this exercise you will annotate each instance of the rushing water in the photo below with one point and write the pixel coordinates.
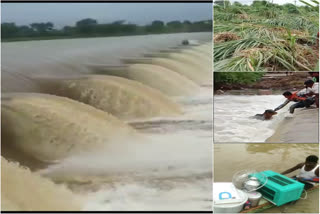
(233, 120)
(137, 136)
(231, 158)
(20, 60)
(168, 170)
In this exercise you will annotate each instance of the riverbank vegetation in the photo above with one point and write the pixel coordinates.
(260, 80)
(237, 77)
(265, 37)
(91, 28)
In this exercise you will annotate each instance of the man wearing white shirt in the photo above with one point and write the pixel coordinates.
(312, 90)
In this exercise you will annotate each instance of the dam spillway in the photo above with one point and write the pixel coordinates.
(72, 104)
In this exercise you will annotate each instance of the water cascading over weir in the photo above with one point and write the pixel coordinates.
(62, 98)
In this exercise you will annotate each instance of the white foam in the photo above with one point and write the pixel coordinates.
(168, 170)
(144, 196)
(175, 154)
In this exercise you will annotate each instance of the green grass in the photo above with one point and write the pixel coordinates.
(237, 77)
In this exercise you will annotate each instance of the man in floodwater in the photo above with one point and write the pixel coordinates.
(267, 115)
(312, 90)
(300, 99)
(309, 171)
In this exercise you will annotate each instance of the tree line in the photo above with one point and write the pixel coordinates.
(264, 4)
(91, 28)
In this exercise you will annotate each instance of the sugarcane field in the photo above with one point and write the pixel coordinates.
(266, 36)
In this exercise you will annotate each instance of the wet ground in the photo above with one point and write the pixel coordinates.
(302, 127)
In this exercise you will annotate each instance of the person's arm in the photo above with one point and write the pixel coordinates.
(311, 93)
(282, 105)
(317, 172)
(314, 90)
(299, 166)
(303, 92)
(308, 92)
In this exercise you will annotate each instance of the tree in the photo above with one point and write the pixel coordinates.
(291, 8)
(8, 30)
(236, 3)
(86, 26)
(130, 28)
(86, 22)
(157, 23)
(118, 22)
(90, 27)
(222, 3)
(68, 30)
(25, 30)
(42, 27)
(156, 26)
(174, 24)
(259, 3)
(201, 26)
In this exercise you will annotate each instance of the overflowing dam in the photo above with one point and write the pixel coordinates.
(119, 123)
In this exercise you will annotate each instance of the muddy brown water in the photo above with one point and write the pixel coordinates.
(231, 158)
(169, 169)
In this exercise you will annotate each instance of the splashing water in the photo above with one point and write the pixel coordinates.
(154, 154)
(169, 169)
(233, 122)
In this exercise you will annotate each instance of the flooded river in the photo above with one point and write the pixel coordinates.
(233, 120)
(113, 130)
(231, 158)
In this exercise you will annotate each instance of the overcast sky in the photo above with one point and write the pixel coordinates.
(62, 14)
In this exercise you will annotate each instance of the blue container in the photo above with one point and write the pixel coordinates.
(279, 189)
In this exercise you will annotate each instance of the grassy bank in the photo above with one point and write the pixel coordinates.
(255, 80)
(235, 79)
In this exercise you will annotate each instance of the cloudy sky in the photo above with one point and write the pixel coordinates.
(62, 14)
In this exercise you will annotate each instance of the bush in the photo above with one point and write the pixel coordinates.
(237, 77)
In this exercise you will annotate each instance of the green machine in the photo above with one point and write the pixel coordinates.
(278, 188)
